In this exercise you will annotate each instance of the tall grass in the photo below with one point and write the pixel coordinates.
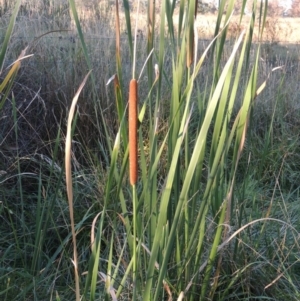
(187, 199)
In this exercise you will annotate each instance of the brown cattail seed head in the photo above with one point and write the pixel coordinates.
(133, 124)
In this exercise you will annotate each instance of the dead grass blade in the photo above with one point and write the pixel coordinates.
(69, 181)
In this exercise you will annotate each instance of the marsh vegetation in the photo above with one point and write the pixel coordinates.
(213, 210)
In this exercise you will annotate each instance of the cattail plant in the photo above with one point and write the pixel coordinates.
(133, 169)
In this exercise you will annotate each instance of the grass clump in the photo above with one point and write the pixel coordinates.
(196, 201)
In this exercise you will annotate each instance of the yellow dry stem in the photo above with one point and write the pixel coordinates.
(133, 124)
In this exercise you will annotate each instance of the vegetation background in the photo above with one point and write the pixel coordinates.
(227, 229)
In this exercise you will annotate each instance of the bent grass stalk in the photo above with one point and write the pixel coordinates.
(69, 182)
(7, 83)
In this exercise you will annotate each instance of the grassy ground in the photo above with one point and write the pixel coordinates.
(36, 247)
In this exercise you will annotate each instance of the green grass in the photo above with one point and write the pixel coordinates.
(214, 214)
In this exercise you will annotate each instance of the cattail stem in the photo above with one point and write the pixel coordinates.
(133, 124)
